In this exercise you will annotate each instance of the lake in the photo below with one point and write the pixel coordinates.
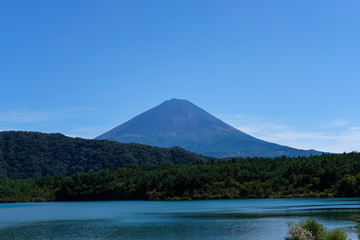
(213, 219)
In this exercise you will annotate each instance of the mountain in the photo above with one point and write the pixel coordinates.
(181, 123)
(34, 154)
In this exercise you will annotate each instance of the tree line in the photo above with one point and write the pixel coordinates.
(327, 175)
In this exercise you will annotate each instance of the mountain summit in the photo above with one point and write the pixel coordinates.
(181, 123)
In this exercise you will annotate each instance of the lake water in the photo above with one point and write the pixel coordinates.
(214, 219)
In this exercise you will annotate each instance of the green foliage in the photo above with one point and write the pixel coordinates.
(317, 230)
(312, 230)
(337, 234)
(235, 179)
(76, 164)
(29, 190)
(349, 185)
(33, 154)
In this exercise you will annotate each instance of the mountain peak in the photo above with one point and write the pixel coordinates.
(179, 122)
(175, 117)
(177, 100)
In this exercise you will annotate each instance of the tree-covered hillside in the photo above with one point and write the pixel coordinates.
(317, 176)
(34, 154)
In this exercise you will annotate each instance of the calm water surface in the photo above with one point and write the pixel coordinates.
(215, 219)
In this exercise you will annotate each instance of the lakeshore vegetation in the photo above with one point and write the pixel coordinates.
(53, 167)
(311, 230)
(327, 175)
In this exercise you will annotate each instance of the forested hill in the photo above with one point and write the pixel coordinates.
(34, 154)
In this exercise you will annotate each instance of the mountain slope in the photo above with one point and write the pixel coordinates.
(33, 154)
(181, 123)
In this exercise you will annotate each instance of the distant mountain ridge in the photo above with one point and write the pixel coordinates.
(181, 123)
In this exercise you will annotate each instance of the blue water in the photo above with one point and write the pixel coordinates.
(214, 219)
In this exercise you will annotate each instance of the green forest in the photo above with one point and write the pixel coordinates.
(327, 175)
(34, 154)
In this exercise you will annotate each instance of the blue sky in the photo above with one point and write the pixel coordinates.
(284, 71)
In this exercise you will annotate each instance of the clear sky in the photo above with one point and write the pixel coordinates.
(284, 71)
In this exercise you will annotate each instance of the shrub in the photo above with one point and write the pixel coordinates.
(316, 229)
(311, 230)
(337, 234)
(299, 233)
